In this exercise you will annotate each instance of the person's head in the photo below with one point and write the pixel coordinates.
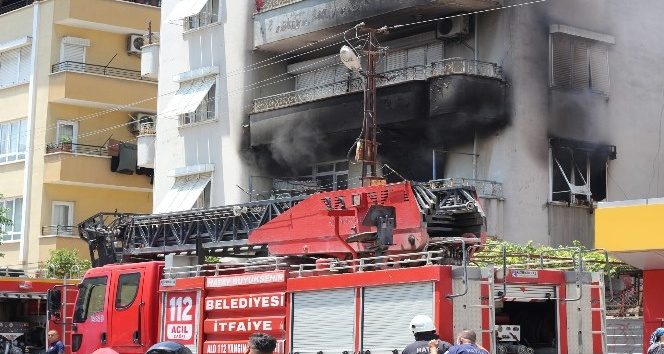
(261, 343)
(422, 327)
(466, 337)
(52, 336)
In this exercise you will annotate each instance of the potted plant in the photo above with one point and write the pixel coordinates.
(65, 143)
(52, 147)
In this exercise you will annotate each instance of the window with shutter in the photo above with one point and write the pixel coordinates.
(434, 53)
(416, 56)
(579, 63)
(396, 60)
(24, 64)
(73, 52)
(9, 67)
(305, 80)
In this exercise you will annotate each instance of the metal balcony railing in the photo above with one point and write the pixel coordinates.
(14, 6)
(58, 230)
(485, 189)
(453, 66)
(82, 149)
(99, 70)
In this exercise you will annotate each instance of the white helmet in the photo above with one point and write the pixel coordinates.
(421, 323)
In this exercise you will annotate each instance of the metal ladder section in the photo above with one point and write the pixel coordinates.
(602, 311)
(488, 283)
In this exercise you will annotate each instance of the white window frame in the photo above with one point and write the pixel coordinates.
(208, 15)
(17, 154)
(206, 110)
(11, 236)
(60, 123)
(70, 215)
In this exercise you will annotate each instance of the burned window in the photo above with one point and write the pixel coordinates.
(578, 171)
(579, 63)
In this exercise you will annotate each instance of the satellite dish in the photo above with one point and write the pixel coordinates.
(349, 58)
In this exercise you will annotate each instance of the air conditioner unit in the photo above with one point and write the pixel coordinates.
(134, 43)
(136, 120)
(451, 28)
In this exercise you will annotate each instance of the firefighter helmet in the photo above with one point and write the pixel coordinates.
(421, 323)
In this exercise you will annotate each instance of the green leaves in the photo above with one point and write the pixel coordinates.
(65, 262)
(561, 257)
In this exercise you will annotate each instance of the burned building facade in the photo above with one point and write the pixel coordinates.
(546, 108)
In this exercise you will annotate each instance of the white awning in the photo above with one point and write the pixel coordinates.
(186, 8)
(189, 96)
(183, 193)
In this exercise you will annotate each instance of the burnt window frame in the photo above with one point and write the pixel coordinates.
(566, 155)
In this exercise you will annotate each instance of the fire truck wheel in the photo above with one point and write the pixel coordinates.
(501, 349)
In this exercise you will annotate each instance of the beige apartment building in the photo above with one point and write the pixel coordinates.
(72, 101)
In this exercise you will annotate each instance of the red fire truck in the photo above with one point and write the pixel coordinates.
(23, 312)
(336, 272)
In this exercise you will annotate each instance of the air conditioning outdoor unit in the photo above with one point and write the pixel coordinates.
(134, 44)
(454, 27)
(136, 120)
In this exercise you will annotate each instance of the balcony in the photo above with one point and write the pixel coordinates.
(468, 93)
(283, 25)
(91, 85)
(78, 168)
(57, 230)
(128, 16)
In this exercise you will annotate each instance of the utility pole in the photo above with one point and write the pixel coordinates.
(367, 148)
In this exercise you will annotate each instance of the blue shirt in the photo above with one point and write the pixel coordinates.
(56, 348)
(466, 349)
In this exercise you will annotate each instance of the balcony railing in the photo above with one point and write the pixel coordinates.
(267, 5)
(14, 6)
(58, 230)
(82, 149)
(99, 70)
(485, 189)
(453, 66)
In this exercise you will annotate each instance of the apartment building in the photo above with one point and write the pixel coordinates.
(71, 102)
(545, 107)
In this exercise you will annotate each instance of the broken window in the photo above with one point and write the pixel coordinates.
(579, 63)
(330, 176)
(578, 171)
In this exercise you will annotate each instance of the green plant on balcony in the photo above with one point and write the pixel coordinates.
(65, 144)
(52, 147)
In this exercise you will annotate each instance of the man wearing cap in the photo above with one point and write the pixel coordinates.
(424, 331)
(657, 342)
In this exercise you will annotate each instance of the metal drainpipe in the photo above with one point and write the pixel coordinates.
(475, 133)
(27, 171)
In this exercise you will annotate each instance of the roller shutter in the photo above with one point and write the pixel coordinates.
(324, 321)
(434, 52)
(305, 80)
(396, 60)
(388, 311)
(417, 56)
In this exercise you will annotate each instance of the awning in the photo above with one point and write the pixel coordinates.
(190, 95)
(183, 193)
(186, 8)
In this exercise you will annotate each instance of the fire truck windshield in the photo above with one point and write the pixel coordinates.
(91, 298)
